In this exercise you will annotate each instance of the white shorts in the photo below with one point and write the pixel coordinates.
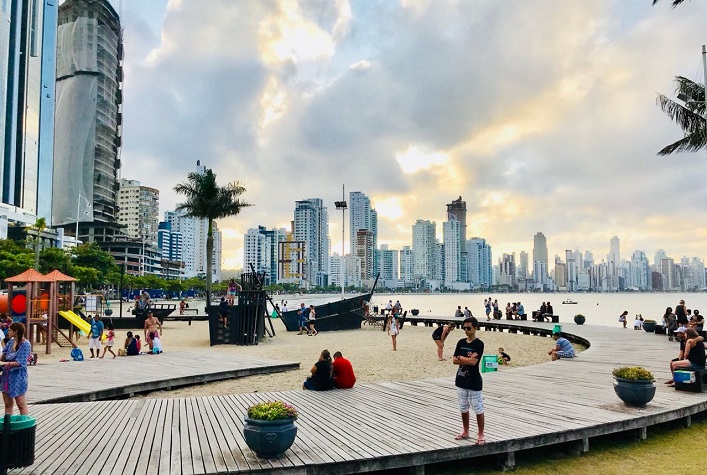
(468, 398)
(94, 343)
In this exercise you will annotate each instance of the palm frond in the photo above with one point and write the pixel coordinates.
(674, 4)
(690, 116)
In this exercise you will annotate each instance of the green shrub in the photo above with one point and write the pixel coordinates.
(272, 411)
(633, 373)
(648, 321)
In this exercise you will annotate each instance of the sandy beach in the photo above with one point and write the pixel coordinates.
(368, 349)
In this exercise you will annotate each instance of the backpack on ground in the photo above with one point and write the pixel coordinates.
(77, 354)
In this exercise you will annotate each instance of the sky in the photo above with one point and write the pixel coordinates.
(540, 114)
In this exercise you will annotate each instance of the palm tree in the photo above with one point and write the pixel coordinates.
(37, 229)
(690, 116)
(206, 200)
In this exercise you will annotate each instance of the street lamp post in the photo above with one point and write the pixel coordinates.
(342, 206)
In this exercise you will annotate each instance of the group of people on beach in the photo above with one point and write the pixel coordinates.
(103, 336)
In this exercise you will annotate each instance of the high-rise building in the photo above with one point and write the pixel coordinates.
(170, 244)
(640, 271)
(571, 270)
(89, 74)
(424, 239)
(365, 253)
(407, 267)
(479, 262)
(507, 270)
(291, 260)
(312, 227)
(362, 216)
(452, 251)
(138, 210)
(388, 262)
(540, 255)
(456, 211)
(261, 250)
(27, 59)
(658, 258)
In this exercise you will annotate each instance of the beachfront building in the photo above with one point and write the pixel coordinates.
(352, 270)
(451, 235)
(540, 263)
(456, 211)
(507, 270)
(693, 274)
(479, 263)
(194, 233)
(407, 267)
(560, 274)
(363, 217)
(138, 210)
(88, 133)
(571, 270)
(261, 250)
(388, 264)
(312, 227)
(170, 245)
(27, 83)
(424, 240)
(291, 260)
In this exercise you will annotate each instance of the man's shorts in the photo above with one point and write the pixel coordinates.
(564, 354)
(94, 343)
(694, 367)
(468, 398)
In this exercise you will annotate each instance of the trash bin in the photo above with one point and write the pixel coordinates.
(489, 363)
(18, 449)
(557, 329)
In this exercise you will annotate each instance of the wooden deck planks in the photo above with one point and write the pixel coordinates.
(385, 425)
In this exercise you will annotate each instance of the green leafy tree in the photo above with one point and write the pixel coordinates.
(87, 277)
(689, 115)
(91, 255)
(14, 258)
(53, 258)
(205, 199)
(194, 283)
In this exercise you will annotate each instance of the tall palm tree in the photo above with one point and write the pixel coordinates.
(690, 116)
(205, 199)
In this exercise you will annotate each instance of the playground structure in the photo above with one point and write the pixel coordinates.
(40, 303)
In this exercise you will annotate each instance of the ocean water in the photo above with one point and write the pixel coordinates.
(599, 308)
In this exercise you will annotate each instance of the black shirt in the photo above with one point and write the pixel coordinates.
(697, 354)
(468, 376)
(437, 334)
(322, 378)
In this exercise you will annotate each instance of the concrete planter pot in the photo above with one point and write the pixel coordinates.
(269, 439)
(634, 393)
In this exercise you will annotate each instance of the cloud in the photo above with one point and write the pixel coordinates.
(540, 114)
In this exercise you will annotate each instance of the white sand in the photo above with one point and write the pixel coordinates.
(368, 349)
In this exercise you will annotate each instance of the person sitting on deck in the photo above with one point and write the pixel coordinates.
(692, 354)
(563, 348)
(321, 379)
(520, 310)
(638, 323)
(344, 377)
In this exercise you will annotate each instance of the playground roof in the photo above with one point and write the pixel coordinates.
(58, 276)
(30, 275)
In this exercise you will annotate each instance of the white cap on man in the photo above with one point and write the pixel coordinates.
(681, 330)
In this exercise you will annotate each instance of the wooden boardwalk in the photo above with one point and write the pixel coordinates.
(97, 379)
(373, 426)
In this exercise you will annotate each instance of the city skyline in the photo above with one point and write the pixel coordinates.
(554, 131)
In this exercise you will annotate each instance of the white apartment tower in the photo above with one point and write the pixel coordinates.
(138, 210)
(451, 235)
(424, 239)
(407, 267)
(362, 216)
(312, 227)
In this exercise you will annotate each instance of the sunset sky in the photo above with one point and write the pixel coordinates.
(541, 114)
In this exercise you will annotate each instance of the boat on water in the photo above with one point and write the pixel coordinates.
(344, 314)
(569, 301)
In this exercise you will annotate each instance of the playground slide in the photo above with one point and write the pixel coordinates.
(77, 321)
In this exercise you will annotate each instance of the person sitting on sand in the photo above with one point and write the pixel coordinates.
(344, 377)
(638, 323)
(321, 378)
(131, 348)
(563, 348)
(156, 343)
(439, 335)
(503, 357)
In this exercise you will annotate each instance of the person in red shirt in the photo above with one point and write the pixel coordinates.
(344, 376)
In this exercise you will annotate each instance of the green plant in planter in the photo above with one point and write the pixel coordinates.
(648, 321)
(272, 411)
(633, 373)
(579, 315)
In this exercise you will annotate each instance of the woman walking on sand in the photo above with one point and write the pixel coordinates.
(393, 328)
(312, 318)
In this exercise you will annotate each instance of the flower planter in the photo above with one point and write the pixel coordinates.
(649, 327)
(415, 312)
(634, 393)
(269, 439)
(579, 319)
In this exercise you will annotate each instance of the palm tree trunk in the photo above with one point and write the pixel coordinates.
(209, 254)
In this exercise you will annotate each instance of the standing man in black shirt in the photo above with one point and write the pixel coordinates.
(467, 356)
